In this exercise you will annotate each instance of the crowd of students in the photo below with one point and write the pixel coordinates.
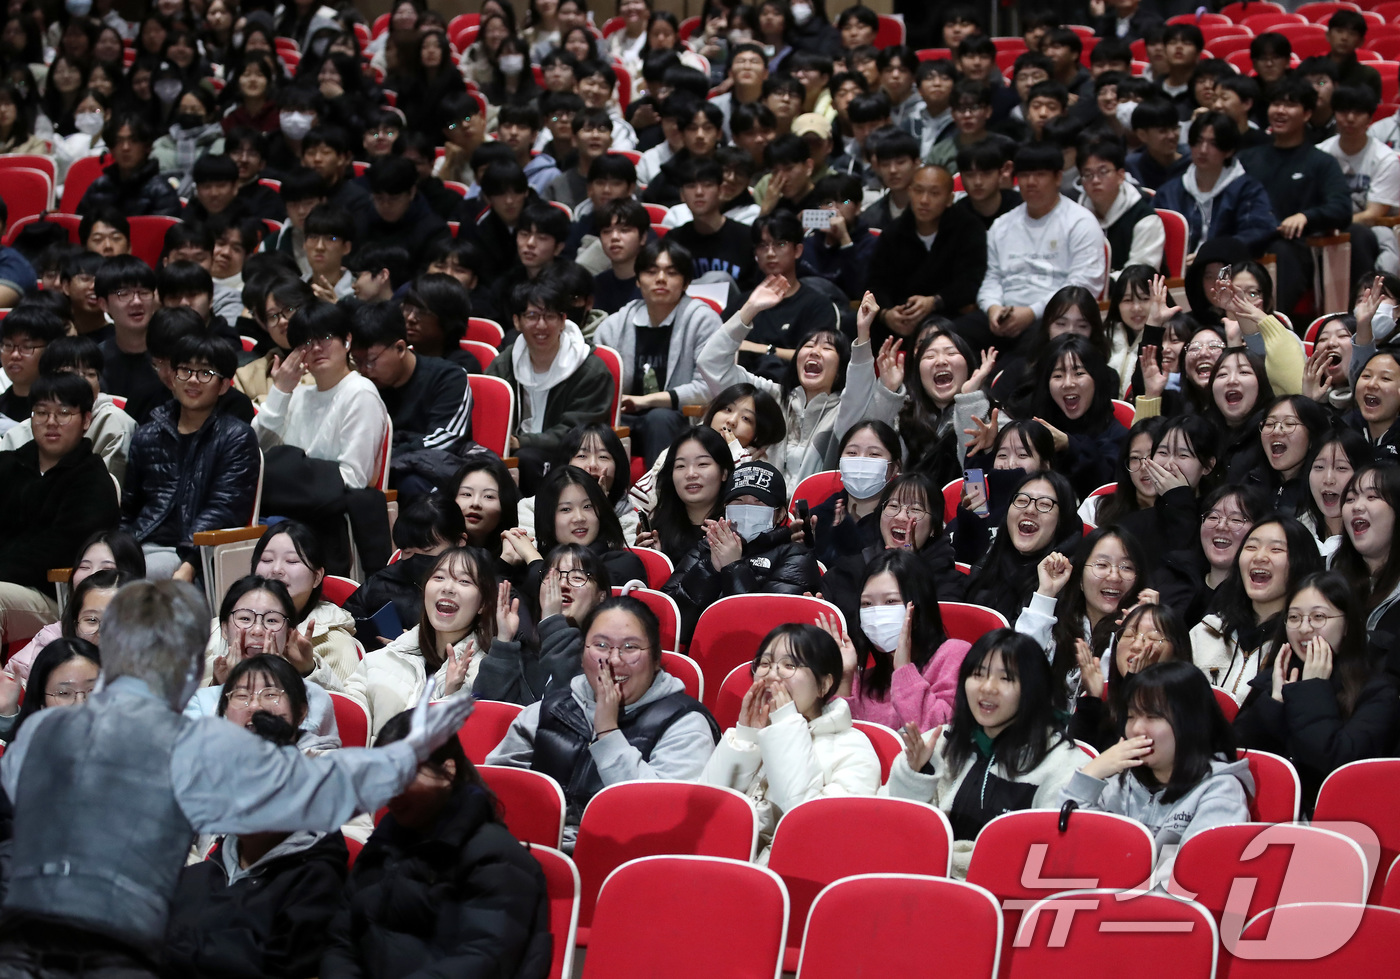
(838, 257)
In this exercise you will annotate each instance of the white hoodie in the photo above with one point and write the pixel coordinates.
(1205, 199)
(534, 388)
(1149, 235)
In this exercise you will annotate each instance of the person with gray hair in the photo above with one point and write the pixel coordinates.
(118, 788)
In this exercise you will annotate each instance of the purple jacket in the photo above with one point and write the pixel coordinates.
(925, 699)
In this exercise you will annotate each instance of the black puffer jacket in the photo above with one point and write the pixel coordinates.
(203, 484)
(269, 924)
(467, 901)
(772, 563)
(145, 192)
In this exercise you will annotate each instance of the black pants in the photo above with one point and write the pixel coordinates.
(653, 431)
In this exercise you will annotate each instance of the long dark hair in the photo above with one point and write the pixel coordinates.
(1072, 347)
(397, 727)
(574, 440)
(482, 570)
(1133, 278)
(670, 519)
(1202, 439)
(1006, 578)
(1179, 693)
(770, 424)
(1232, 603)
(1353, 663)
(1373, 589)
(839, 340)
(1174, 633)
(1033, 731)
(308, 548)
(1033, 435)
(506, 492)
(916, 585)
(811, 648)
(1123, 500)
(915, 486)
(1071, 607)
(50, 658)
(920, 417)
(610, 535)
(126, 552)
(1077, 297)
(96, 581)
(1314, 418)
(1234, 433)
(1354, 446)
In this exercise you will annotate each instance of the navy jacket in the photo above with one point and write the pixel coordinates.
(1242, 210)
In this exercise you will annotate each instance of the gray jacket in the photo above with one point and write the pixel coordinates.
(692, 324)
(1219, 799)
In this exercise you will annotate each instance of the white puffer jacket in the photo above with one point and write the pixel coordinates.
(793, 760)
(1225, 663)
(392, 679)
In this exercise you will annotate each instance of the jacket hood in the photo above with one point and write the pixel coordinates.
(328, 616)
(1219, 768)
(295, 844)
(1227, 176)
(662, 685)
(573, 351)
(1128, 195)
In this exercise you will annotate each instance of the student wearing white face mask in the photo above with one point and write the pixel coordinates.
(900, 666)
(847, 522)
(750, 551)
(90, 117)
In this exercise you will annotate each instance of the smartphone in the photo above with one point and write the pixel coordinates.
(1226, 275)
(801, 509)
(643, 522)
(976, 479)
(816, 219)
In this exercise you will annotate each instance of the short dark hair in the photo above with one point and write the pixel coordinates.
(978, 43)
(1227, 135)
(838, 187)
(780, 225)
(859, 13)
(936, 66)
(1294, 89)
(215, 351)
(747, 116)
(210, 169)
(1242, 85)
(302, 184)
(1347, 20)
(489, 153)
(801, 60)
(1354, 98)
(968, 90)
(786, 150)
(34, 321)
(123, 272)
(984, 155)
(429, 521)
(1039, 156)
(1317, 65)
(392, 175)
(1031, 59)
(1156, 114)
(67, 389)
(139, 127)
(374, 258)
(318, 319)
(625, 211)
(503, 177)
(334, 137)
(612, 166)
(447, 299)
(184, 279)
(588, 118)
(891, 143)
(1063, 37)
(783, 82)
(1189, 33)
(592, 68)
(1109, 150)
(107, 215)
(80, 262)
(240, 136)
(903, 52)
(520, 114)
(1049, 89)
(185, 233)
(377, 324)
(71, 353)
(874, 106)
(712, 113)
(1268, 44)
(170, 325)
(545, 219)
(1111, 49)
(328, 219)
(680, 256)
(699, 172)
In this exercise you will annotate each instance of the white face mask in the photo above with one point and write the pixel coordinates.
(882, 625)
(749, 521)
(864, 478)
(295, 125)
(88, 123)
(801, 13)
(78, 8)
(1384, 320)
(512, 64)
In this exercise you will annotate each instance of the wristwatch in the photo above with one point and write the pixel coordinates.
(771, 348)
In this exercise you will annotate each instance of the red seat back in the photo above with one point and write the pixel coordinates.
(148, 236)
(730, 695)
(79, 177)
(658, 568)
(684, 669)
(1366, 792)
(962, 620)
(351, 721)
(613, 359)
(817, 488)
(485, 330)
(493, 412)
(531, 803)
(26, 192)
(562, 886)
(730, 630)
(1278, 793)
(486, 728)
(1177, 236)
(887, 744)
(1365, 939)
(639, 819)
(336, 589)
(667, 614)
(821, 841)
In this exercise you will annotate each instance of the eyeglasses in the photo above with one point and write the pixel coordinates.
(1208, 346)
(281, 315)
(783, 671)
(575, 577)
(630, 652)
(317, 342)
(1317, 620)
(191, 374)
(1102, 569)
(89, 624)
(895, 508)
(126, 295)
(1135, 463)
(1216, 519)
(246, 618)
(70, 695)
(1042, 503)
(61, 415)
(535, 316)
(266, 697)
(1093, 176)
(1285, 425)
(1151, 638)
(28, 349)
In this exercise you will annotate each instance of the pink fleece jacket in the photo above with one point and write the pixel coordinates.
(925, 699)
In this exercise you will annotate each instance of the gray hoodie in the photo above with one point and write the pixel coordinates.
(680, 753)
(1219, 799)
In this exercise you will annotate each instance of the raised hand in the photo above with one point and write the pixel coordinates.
(1317, 659)
(865, 315)
(1060, 438)
(832, 627)
(765, 295)
(1090, 670)
(1159, 309)
(1317, 376)
(298, 649)
(457, 664)
(286, 372)
(726, 546)
(1053, 573)
(918, 750)
(508, 609)
(753, 700)
(904, 650)
(983, 371)
(1166, 477)
(984, 433)
(890, 363)
(1154, 379)
(608, 699)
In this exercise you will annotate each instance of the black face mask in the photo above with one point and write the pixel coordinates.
(189, 120)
